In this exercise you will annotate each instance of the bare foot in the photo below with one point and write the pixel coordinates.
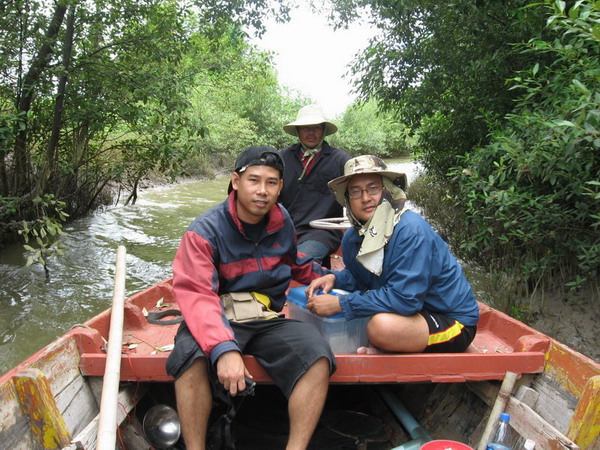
(367, 351)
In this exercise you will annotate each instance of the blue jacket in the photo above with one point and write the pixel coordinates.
(216, 257)
(419, 273)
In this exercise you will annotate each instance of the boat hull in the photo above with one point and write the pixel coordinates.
(51, 399)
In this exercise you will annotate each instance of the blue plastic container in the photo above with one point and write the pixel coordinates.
(344, 336)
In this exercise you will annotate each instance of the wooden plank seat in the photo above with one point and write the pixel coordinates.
(502, 344)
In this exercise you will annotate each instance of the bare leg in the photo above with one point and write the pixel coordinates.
(194, 404)
(306, 404)
(396, 333)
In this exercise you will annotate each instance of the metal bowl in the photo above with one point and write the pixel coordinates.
(161, 426)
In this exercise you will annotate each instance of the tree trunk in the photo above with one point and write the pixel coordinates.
(98, 191)
(50, 163)
(21, 182)
(133, 195)
(4, 191)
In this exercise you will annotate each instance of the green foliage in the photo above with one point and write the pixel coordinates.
(533, 194)
(148, 86)
(517, 162)
(434, 197)
(442, 66)
(365, 130)
(239, 102)
(8, 206)
(45, 231)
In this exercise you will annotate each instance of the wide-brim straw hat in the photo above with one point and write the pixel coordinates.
(362, 165)
(310, 115)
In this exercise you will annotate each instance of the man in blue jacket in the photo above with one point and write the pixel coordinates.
(397, 269)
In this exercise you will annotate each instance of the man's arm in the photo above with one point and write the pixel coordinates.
(408, 276)
(304, 269)
(195, 281)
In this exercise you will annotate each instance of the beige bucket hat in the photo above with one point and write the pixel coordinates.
(310, 115)
(359, 165)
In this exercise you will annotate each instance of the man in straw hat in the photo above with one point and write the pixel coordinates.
(230, 274)
(309, 165)
(397, 269)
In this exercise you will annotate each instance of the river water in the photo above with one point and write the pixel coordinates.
(34, 311)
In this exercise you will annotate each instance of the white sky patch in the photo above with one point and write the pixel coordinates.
(310, 57)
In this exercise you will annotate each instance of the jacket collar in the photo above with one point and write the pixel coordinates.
(275, 217)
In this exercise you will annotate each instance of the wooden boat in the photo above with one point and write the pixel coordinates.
(51, 400)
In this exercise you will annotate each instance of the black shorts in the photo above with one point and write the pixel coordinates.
(285, 348)
(447, 335)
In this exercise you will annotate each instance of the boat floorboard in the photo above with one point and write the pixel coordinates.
(502, 344)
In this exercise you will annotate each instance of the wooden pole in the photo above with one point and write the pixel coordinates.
(107, 427)
(505, 390)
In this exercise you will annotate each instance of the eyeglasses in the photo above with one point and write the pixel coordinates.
(356, 192)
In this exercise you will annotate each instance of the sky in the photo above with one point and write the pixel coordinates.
(311, 57)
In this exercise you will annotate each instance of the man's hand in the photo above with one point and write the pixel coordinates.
(324, 305)
(231, 372)
(324, 283)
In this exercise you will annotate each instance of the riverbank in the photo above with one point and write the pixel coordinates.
(568, 319)
(572, 322)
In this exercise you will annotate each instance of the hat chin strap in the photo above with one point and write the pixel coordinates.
(310, 150)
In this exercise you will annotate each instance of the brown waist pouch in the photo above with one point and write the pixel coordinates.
(247, 306)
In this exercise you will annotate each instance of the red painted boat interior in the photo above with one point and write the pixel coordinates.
(502, 344)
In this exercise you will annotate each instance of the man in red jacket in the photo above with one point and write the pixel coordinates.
(230, 274)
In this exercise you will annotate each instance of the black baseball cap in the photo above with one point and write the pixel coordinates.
(262, 155)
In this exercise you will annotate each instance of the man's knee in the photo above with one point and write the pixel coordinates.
(382, 324)
(315, 249)
(322, 365)
(393, 332)
(316, 375)
(320, 371)
(195, 374)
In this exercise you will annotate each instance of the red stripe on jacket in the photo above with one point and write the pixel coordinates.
(196, 292)
(239, 268)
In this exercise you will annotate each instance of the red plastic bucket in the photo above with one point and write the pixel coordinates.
(445, 445)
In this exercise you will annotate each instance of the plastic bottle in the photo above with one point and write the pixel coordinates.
(503, 437)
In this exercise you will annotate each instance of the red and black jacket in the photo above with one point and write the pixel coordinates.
(215, 257)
